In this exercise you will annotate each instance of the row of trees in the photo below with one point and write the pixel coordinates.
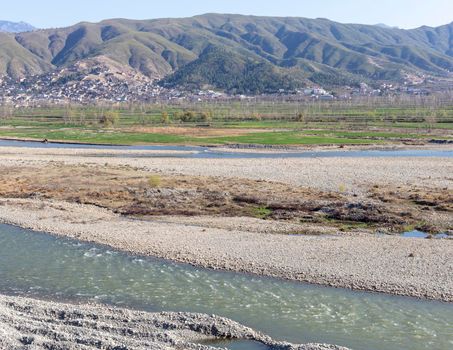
(430, 111)
(187, 116)
(106, 118)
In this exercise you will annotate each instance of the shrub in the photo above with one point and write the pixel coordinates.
(300, 117)
(155, 181)
(188, 116)
(165, 118)
(342, 188)
(177, 115)
(109, 118)
(206, 116)
(262, 212)
(256, 117)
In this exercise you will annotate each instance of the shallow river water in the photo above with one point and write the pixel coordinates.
(39, 265)
(215, 153)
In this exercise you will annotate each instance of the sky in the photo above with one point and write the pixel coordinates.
(61, 13)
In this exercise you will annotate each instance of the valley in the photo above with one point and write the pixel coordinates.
(226, 181)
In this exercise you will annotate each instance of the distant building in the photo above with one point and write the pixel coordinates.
(326, 97)
(319, 92)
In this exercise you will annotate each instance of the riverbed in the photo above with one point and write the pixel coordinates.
(42, 266)
(200, 152)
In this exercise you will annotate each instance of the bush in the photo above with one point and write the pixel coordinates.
(206, 116)
(300, 117)
(177, 115)
(165, 118)
(187, 116)
(155, 181)
(256, 117)
(109, 118)
(262, 212)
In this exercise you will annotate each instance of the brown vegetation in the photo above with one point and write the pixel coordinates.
(137, 193)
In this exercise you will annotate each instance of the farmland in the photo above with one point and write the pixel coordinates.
(249, 122)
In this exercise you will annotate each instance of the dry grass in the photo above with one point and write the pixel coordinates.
(133, 192)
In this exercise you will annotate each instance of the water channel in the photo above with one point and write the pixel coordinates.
(39, 265)
(215, 153)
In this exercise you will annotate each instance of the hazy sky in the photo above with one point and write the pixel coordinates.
(58, 13)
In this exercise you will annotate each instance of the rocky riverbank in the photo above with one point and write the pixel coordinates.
(32, 324)
(320, 213)
(209, 213)
(412, 267)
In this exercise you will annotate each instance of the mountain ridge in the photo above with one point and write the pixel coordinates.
(15, 27)
(317, 50)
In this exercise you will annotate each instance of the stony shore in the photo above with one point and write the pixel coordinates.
(420, 268)
(352, 175)
(410, 267)
(32, 324)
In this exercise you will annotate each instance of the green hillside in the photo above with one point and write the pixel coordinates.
(223, 69)
(264, 51)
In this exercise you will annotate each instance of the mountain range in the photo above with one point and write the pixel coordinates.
(235, 52)
(15, 27)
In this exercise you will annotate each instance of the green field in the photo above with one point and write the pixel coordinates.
(263, 123)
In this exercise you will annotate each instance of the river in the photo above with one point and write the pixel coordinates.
(42, 266)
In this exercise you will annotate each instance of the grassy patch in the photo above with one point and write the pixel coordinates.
(350, 226)
(364, 134)
(155, 181)
(98, 136)
(261, 212)
(322, 124)
(288, 138)
(129, 138)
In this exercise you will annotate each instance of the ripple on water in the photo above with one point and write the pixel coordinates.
(43, 266)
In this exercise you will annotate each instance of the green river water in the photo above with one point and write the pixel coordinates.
(39, 265)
